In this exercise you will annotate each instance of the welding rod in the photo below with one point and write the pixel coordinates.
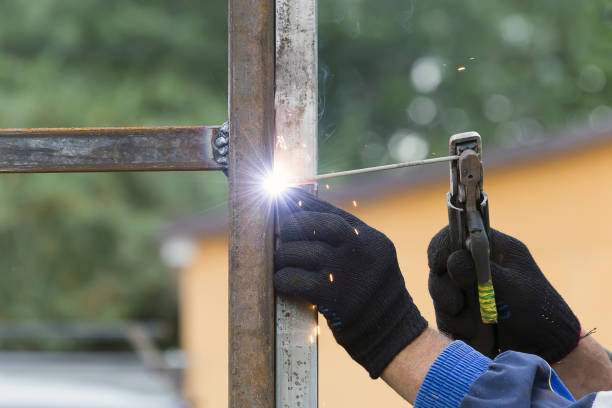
(377, 168)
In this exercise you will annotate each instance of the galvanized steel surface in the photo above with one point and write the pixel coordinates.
(295, 154)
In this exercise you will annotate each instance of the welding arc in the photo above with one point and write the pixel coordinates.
(377, 168)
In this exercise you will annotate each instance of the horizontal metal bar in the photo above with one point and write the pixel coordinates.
(107, 149)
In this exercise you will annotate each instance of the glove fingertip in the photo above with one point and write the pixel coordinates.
(446, 295)
(297, 282)
(438, 251)
(460, 266)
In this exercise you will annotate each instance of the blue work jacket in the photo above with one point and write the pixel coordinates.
(462, 377)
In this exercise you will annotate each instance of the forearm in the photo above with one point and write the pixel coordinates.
(407, 370)
(586, 369)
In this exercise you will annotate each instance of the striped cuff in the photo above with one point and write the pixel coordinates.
(450, 377)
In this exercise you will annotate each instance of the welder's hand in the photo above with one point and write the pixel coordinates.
(350, 272)
(532, 316)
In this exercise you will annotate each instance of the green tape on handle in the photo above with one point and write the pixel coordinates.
(486, 298)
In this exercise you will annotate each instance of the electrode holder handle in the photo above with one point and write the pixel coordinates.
(468, 217)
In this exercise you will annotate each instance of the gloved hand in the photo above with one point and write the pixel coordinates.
(532, 316)
(350, 272)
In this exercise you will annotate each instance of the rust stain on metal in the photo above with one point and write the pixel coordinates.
(107, 149)
(251, 239)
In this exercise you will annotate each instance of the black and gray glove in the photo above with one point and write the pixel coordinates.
(350, 272)
(532, 316)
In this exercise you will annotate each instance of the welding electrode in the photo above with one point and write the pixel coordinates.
(373, 169)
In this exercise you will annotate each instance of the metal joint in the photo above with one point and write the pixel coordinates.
(220, 146)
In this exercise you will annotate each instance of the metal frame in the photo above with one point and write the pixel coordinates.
(251, 232)
(265, 37)
(107, 149)
(295, 154)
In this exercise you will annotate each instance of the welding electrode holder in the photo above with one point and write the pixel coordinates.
(468, 220)
(468, 215)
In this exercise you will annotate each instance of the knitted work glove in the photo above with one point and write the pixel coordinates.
(350, 272)
(532, 316)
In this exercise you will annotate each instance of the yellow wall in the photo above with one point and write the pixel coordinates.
(559, 207)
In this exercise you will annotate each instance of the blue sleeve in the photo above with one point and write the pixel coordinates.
(462, 377)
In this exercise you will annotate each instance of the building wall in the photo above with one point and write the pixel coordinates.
(560, 207)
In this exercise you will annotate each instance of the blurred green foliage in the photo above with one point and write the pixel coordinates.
(537, 67)
(82, 246)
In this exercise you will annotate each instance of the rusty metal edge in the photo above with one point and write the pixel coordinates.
(251, 235)
(107, 149)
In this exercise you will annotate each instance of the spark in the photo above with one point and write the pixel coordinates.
(356, 231)
(318, 330)
(311, 339)
(275, 183)
(354, 203)
(461, 68)
(315, 331)
(331, 277)
(327, 186)
(472, 58)
(314, 232)
(300, 203)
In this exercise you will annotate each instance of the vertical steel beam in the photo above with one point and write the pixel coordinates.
(295, 154)
(251, 236)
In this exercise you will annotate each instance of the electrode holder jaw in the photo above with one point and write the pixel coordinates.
(468, 215)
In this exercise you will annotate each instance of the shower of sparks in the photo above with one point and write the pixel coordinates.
(354, 203)
(356, 231)
(461, 68)
(331, 277)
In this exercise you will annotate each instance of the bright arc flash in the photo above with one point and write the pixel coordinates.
(275, 184)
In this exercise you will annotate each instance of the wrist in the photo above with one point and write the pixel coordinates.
(587, 368)
(406, 372)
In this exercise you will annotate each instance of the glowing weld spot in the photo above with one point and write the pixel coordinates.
(275, 184)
